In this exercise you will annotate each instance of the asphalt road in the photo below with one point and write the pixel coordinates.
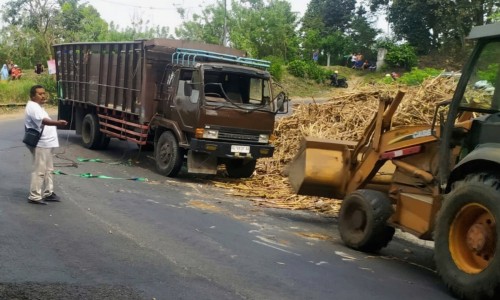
(177, 238)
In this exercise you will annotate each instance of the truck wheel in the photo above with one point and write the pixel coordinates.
(168, 155)
(362, 220)
(466, 238)
(240, 168)
(92, 137)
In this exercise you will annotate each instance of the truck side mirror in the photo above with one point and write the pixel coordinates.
(281, 99)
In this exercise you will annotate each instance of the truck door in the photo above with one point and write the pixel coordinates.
(187, 98)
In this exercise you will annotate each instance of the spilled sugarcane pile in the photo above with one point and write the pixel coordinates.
(343, 117)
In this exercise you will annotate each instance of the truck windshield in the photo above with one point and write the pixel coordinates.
(239, 89)
(483, 89)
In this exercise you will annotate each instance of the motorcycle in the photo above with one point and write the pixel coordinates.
(338, 81)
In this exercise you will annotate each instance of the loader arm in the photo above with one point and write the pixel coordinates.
(331, 168)
(365, 157)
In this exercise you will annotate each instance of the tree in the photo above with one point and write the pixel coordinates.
(338, 14)
(36, 17)
(435, 24)
(337, 29)
(329, 16)
(80, 23)
(262, 28)
(207, 26)
(363, 34)
(33, 26)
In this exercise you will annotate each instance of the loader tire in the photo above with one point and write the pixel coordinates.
(92, 137)
(168, 155)
(466, 238)
(362, 220)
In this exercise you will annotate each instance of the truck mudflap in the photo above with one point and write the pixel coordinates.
(231, 150)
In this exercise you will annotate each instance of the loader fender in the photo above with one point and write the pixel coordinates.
(485, 158)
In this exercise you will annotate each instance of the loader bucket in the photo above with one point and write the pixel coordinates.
(321, 167)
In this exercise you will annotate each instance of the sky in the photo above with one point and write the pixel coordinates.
(163, 13)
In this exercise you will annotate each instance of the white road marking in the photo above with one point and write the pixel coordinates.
(345, 256)
(275, 247)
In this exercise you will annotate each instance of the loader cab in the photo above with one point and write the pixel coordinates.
(478, 97)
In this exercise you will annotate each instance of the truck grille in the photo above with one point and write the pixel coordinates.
(231, 134)
(238, 137)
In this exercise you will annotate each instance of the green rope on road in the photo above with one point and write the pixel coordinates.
(90, 175)
(81, 159)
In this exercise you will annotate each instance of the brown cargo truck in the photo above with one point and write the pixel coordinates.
(203, 103)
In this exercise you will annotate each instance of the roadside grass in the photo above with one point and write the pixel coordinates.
(14, 92)
(300, 87)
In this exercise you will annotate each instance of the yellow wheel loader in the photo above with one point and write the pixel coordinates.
(439, 181)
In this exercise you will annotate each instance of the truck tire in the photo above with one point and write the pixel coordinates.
(168, 155)
(240, 168)
(362, 220)
(92, 137)
(466, 238)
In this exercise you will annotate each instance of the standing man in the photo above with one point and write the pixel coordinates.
(42, 187)
(316, 56)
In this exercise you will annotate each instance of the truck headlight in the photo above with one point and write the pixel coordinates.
(210, 134)
(264, 138)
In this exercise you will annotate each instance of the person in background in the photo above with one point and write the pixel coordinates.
(42, 186)
(366, 65)
(10, 65)
(39, 68)
(4, 72)
(316, 56)
(334, 78)
(16, 72)
(353, 59)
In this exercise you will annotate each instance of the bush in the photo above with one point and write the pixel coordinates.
(308, 70)
(276, 68)
(399, 55)
(402, 56)
(417, 76)
(297, 68)
(490, 74)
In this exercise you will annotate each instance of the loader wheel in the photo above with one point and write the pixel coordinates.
(466, 238)
(240, 168)
(168, 155)
(92, 137)
(362, 220)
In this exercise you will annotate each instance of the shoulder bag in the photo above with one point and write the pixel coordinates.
(32, 136)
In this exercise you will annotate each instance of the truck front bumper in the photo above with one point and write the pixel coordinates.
(223, 149)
